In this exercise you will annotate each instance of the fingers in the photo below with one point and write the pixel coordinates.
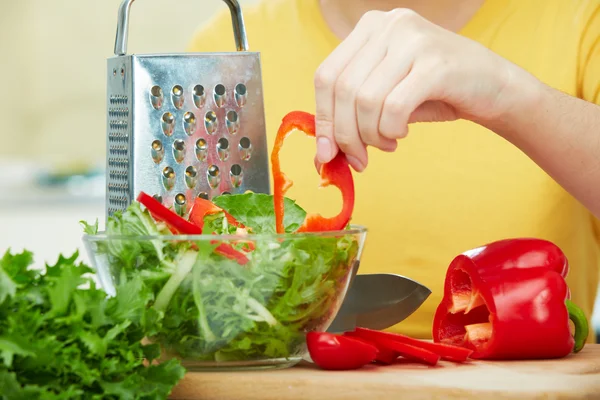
(371, 97)
(325, 80)
(346, 129)
(416, 88)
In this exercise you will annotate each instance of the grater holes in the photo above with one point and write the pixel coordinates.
(158, 151)
(156, 97)
(236, 175)
(189, 123)
(219, 95)
(213, 176)
(179, 150)
(190, 176)
(225, 193)
(210, 122)
(241, 94)
(158, 198)
(203, 195)
(201, 149)
(177, 96)
(167, 123)
(180, 203)
(168, 178)
(223, 149)
(245, 148)
(232, 122)
(199, 96)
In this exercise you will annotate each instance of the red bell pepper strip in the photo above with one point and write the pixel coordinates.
(180, 225)
(336, 173)
(509, 300)
(413, 353)
(337, 352)
(162, 213)
(384, 355)
(446, 352)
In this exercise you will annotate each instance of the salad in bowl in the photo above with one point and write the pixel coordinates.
(241, 279)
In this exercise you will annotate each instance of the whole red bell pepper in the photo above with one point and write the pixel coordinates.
(336, 172)
(509, 300)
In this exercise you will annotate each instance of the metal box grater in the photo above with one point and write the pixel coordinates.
(184, 125)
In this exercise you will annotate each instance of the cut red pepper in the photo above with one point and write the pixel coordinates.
(203, 207)
(182, 226)
(413, 353)
(509, 300)
(336, 352)
(162, 213)
(336, 172)
(445, 351)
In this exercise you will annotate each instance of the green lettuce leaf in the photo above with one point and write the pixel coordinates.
(61, 337)
(256, 210)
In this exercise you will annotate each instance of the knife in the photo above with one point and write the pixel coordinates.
(378, 301)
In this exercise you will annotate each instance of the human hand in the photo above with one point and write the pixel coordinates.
(397, 68)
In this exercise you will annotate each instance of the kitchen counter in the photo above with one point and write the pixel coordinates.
(574, 377)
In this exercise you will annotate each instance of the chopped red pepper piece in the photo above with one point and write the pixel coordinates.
(336, 173)
(203, 207)
(337, 352)
(182, 226)
(445, 351)
(522, 307)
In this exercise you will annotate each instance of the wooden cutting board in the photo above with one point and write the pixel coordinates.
(573, 377)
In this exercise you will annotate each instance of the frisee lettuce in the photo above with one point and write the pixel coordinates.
(216, 309)
(62, 338)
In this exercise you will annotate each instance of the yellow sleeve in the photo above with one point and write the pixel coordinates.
(588, 81)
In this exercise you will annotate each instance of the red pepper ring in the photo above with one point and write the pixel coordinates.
(509, 300)
(336, 172)
(180, 225)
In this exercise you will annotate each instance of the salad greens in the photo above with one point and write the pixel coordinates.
(210, 307)
(62, 338)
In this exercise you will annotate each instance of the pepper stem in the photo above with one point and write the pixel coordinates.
(582, 328)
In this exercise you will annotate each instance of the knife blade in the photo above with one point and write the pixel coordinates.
(378, 301)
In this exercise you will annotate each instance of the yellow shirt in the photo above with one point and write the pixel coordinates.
(449, 186)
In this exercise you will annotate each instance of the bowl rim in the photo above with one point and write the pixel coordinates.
(352, 230)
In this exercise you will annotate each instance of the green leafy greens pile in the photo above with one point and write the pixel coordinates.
(211, 308)
(62, 338)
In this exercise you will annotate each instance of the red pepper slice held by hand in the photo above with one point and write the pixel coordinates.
(182, 226)
(446, 352)
(337, 352)
(509, 300)
(336, 172)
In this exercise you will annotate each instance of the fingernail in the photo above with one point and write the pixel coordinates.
(317, 165)
(355, 163)
(324, 149)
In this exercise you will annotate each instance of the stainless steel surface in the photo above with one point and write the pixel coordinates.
(237, 21)
(184, 125)
(378, 301)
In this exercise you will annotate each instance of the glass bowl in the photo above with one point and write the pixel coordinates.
(233, 301)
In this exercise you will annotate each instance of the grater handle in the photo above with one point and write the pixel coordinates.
(237, 20)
